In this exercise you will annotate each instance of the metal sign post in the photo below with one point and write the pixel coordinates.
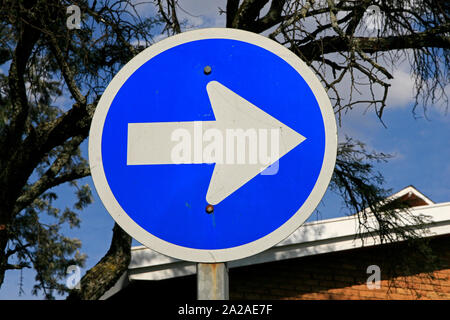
(212, 281)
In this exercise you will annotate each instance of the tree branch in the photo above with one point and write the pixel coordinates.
(430, 38)
(50, 178)
(17, 91)
(68, 75)
(272, 17)
(19, 247)
(247, 14)
(17, 266)
(293, 18)
(170, 17)
(232, 8)
(108, 270)
(357, 15)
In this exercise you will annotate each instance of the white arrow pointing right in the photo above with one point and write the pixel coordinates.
(152, 143)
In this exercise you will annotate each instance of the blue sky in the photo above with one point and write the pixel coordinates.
(421, 149)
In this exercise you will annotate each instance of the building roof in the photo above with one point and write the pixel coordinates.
(412, 196)
(311, 238)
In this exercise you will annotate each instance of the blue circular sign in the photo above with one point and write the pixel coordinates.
(161, 203)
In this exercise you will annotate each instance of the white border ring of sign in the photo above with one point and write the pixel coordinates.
(219, 255)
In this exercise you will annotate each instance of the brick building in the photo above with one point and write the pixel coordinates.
(321, 260)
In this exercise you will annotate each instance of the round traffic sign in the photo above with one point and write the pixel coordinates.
(213, 145)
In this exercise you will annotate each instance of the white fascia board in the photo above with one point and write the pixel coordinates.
(312, 238)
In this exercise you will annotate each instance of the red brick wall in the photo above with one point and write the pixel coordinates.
(342, 275)
(338, 275)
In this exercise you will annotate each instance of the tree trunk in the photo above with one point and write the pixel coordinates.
(3, 258)
(108, 270)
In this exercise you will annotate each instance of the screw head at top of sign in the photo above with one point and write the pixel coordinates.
(207, 70)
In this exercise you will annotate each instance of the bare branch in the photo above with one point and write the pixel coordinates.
(170, 17)
(51, 178)
(20, 106)
(248, 13)
(17, 266)
(298, 14)
(232, 8)
(68, 74)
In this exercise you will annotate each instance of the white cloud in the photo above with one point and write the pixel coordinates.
(202, 14)
(201, 7)
(401, 92)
